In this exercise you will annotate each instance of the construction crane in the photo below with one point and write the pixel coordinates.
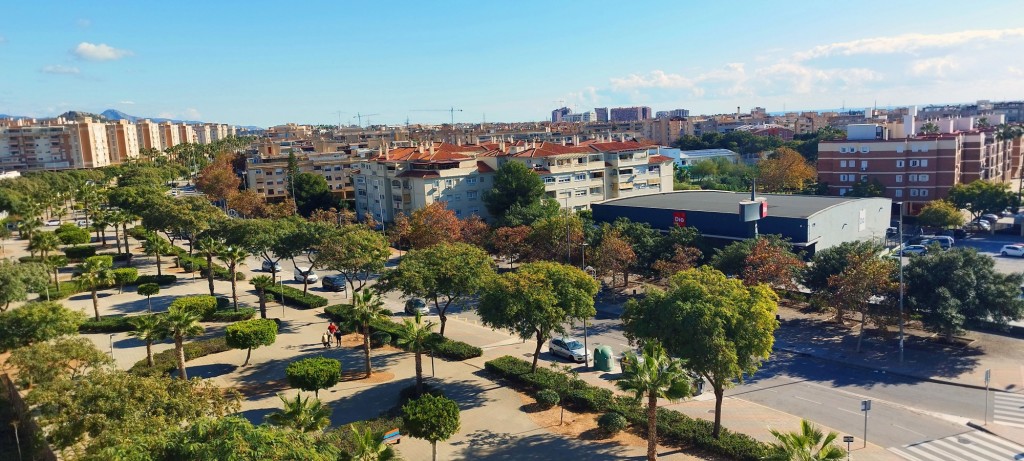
(452, 110)
(359, 118)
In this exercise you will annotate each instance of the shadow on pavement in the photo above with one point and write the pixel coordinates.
(209, 371)
(139, 304)
(351, 358)
(487, 445)
(258, 415)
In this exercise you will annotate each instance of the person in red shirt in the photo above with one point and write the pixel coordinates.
(332, 332)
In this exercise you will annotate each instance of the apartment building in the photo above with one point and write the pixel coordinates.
(122, 141)
(35, 148)
(629, 114)
(187, 134)
(149, 134)
(665, 131)
(267, 174)
(203, 135)
(89, 148)
(170, 136)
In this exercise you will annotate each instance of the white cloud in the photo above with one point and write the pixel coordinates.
(100, 52)
(126, 102)
(192, 114)
(907, 43)
(60, 70)
(933, 66)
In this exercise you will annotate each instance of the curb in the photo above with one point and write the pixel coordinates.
(897, 373)
(979, 427)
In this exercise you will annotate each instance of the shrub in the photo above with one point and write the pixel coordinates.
(138, 233)
(223, 302)
(30, 259)
(229, 315)
(588, 398)
(106, 324)
(191, 263)
(165, 362)
(313, 374)
(116, 257)
(296, 298)
(443, 347)
(455, 350)
(165, 279)
(204, 305)
(66, 289)
(379, 338)
(612, 423)
(547, 398)
(79, 253)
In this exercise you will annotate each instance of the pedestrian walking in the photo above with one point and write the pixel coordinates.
(333, 330)
(326, 339)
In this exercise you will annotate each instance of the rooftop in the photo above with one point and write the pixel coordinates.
(713, 201)
(706, 153)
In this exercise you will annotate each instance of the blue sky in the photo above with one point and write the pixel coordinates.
(266, 63)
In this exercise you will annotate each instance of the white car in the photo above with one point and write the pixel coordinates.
(53, 222)
(914, 250)
(268, 266)
(568, 348)
(1015, 249)
(83, 223)
(305, 273)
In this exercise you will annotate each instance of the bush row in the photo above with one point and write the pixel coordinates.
(165, 279)
(79, 253)
(116, 257)
(229, 315)
(67, 288)
(674, 428)
(296, 298)
(165, 362)
(138, 233)
(442, 347)
(119, 323)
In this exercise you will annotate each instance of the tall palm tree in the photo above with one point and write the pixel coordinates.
(367, 307)
(810, 444)
(28, 226)
(148, 328)
(232, 256)
(369, 446)
(55, 262)
(209, 247)
(180, 323)
(303, 415)
(417, 336)
(127, 218)
(654, 376)
(44, 243)
(115, 218)
(156, 245)
(95, 273)
(261, 283)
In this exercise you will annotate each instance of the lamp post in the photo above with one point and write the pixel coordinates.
(900, 246)
(586, 363)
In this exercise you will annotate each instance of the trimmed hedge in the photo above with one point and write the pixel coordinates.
(67, 288)
(296, 298)
(380, 338)
(204, 305)
(548, 398)
(443, 347)
(30, 259)
(165, 279)
(116, 257)
(674, 428)
(165, 362)
(244, 313)
(138, 233)
(79, 253)
(612, 423)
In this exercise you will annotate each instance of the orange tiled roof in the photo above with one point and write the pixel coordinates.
(483, 167)
(547, 149)
(659, 159)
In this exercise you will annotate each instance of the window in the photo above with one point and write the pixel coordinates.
(581, 192)
(470, 180)
(863, 177)
(864, 149)
(579, 177)
(924, 192)
(899, 192)
(564, 179)
(924, 161)
(448, 183)
(595, 191)
(914, 163)
(458, 213)
(912, 178)
(913, 192)
(899, 164)
(842, 191)
(360, 180)
(899, 178)
(922, 177)
(471, 195)
(863, 165)
(457, 197)
(474, 211)
(549, 180)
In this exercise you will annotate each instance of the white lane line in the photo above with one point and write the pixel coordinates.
(807, 400)
(848, 411)
(909, 430)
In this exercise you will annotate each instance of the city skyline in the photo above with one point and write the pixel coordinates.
(501, 61)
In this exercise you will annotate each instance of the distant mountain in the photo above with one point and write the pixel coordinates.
(78, 115)
(114, 114)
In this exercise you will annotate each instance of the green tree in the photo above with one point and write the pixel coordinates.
(233, 256)
(356, 252)
(929, 128)
(940, 213)
(303, 415)
(95, 273)
(515, 184)
(312, 193)
(148, 329)
(866, 276)
(720, 327)
(261, 283)
(431, 418)
(655, 376)
(366, 308)
(54, 263)
(369, 445)
(124, 276)
(148, 290)
(251, 334)
(417, 336)
(17, 280)
(157, 246)
(209, 247)
(37, 322)
(43, 243)
(66, 357)
(181, 323)
(70, 234)
(538, 300)
(313, 374)
(865, 188)
(444, 274)
(981, 197)
(951, 288)
(810, 444)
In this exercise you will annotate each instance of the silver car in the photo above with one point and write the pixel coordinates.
(568, 348)
(268, 266)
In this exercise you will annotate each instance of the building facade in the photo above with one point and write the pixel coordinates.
(123, 141)
(629, 114)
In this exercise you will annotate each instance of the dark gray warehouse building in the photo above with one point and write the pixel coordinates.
(810, 222)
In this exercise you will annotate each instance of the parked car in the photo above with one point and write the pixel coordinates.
(991, 218)
(305, 274)
(958, 234)
(913, 250)
(414, 305)
(53, 222)
(1006, 213)
(83, 223)
(945, 242)
(334, 283)
(568, 348)
(268, 266)
(891, 232)
(1013, 249)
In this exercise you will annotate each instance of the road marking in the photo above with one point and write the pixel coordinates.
(808, 400)
(848, 411)
(909, 430)
(973, 446)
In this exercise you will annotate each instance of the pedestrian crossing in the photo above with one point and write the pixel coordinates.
(1008, 409)
(969, 446)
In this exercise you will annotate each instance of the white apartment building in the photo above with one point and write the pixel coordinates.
(123, 141)
(202, 133)
(267, 175)
(149, 134)
(35, 148)
(170, 136)
(187, 134)
(89, 148)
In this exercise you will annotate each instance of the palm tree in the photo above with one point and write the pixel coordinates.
(95, 273)
(303, 415)
(44, 243)
(929, 128)
(656, 375)
(156, 245)
(417, 336)
(367, 307)
(369, 446)
(28, 226)
(181, 323)
(209, 247)
(116, 218)
(232, 256)
(55, 262)
(126, 218)
(148, 328)
(261, 283)
(810, 444)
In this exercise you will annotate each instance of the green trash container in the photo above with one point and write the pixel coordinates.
(603, 358)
